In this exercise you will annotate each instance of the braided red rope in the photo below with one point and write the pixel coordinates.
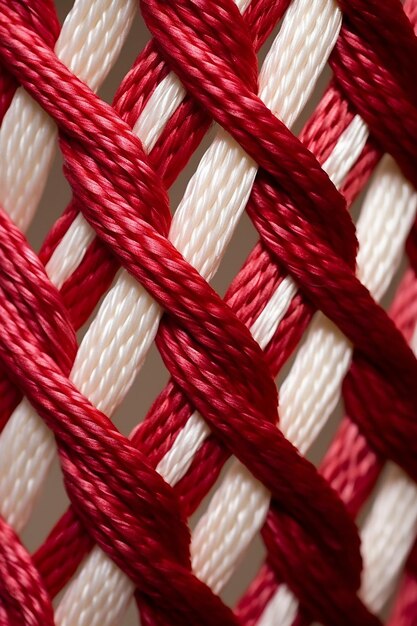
(367, 326)
(99, 264)
(353, 478)
(210, 354)
(245, 430)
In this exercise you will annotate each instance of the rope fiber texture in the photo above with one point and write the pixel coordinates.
(310, 289)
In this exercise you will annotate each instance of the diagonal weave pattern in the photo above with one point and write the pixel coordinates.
(122, 264)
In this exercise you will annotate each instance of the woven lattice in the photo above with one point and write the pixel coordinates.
(131, 270)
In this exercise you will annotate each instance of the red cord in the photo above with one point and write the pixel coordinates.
(211, 356)
(252, 398)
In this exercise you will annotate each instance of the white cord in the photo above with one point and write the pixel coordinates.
(89, 43)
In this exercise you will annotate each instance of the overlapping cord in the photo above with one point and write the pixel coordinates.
(173, 337)
(71, 555)
(181, 312)
(262, 22)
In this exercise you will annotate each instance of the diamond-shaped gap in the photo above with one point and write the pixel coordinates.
(315, 97)
(178, 188)
(321, 444)
(245, 572)
(360, 521)
(131, 618)
(388, 298)
(63, 7)
(268, 42)
(149, 382)
(241, 244)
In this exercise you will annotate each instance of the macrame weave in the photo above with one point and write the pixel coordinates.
(122, 263)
